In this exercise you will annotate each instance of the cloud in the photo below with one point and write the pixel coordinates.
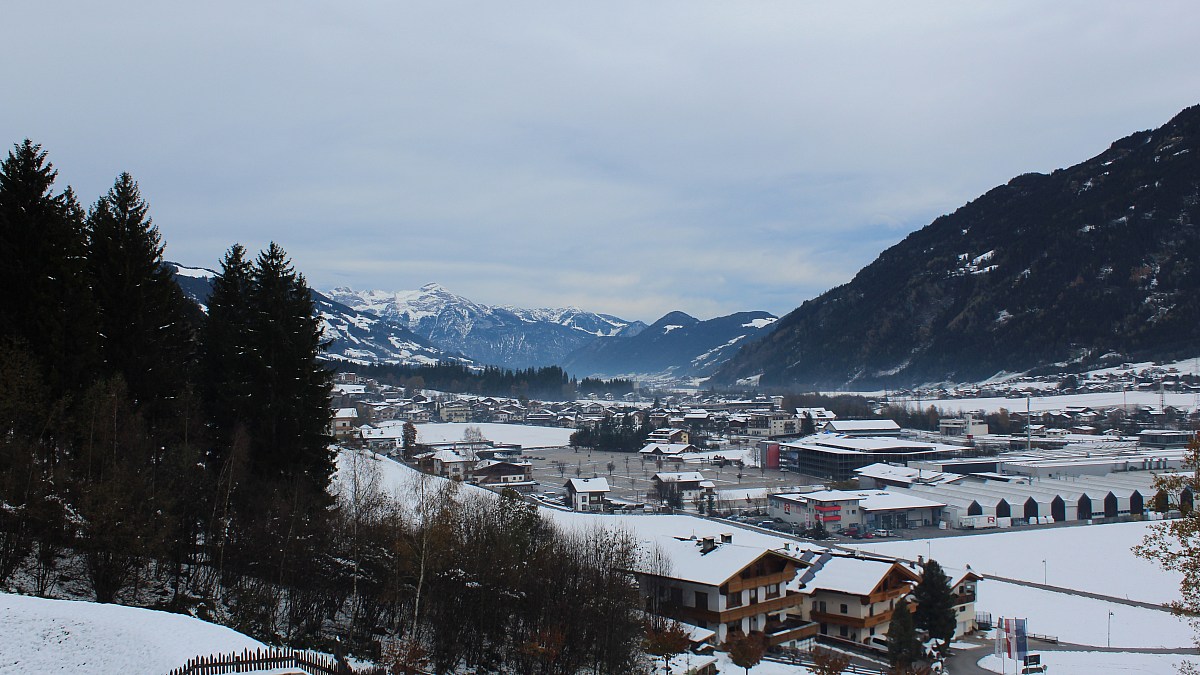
(627, 157)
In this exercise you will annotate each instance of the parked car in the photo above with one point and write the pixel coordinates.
(884, 533)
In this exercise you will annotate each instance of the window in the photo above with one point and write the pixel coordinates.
(701, 600)
(843, 631)
(677, 596)
(845, 609)
(773, 591)
(734, 599)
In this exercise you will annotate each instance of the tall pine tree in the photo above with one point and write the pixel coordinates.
(227, 381)
(935, 604)
(291, 395)
(145, 324)
(46, 303)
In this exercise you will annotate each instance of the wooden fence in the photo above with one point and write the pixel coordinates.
(269, 659)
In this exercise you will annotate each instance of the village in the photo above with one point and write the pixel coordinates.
(817, 486)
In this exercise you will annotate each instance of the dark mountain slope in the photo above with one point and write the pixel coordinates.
(1098, 260)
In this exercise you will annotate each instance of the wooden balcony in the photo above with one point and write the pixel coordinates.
(793, 629)
(695, 614)
(849, 620)
(780, 578)
(963, 598)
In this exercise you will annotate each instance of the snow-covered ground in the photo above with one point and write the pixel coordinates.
(1084, 621)
(1095, 558)
(524, 435)
(1112, 399)
(1089, 663)
(64, 636)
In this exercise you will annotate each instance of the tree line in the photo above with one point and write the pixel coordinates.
(170, 458)
(548, 383)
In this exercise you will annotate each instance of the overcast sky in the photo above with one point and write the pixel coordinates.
(625, 157)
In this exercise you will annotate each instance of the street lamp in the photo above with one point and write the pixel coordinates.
(1044, 576)
(1110, 616)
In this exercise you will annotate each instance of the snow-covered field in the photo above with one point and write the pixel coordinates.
(524, 435)
(1093, 558)
(1043, 403)
(63, 636)
(1088, 663)
(1084, 621)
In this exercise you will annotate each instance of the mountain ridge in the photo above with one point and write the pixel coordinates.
(1089, 264)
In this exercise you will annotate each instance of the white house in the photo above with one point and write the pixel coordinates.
(587, 494)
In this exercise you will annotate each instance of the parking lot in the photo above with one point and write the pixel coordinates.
(629, 474)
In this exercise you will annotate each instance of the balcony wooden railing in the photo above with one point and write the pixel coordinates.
(780, 578)
(850, 620)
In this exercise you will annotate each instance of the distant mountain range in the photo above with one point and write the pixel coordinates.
(677, 344)
(1091, 265)
(505, 336)
(354, 336)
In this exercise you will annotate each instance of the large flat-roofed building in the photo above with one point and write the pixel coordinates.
(839, 509)
(836, 456)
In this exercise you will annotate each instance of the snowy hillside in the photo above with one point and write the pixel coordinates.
(65, 636)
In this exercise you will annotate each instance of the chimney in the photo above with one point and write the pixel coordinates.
(707, 544)
(726, 537)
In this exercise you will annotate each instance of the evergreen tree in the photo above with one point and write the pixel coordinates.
(903, 646)
(291, 389)
(227, 382)
(935, 604)
(46, 303)
(145, 323)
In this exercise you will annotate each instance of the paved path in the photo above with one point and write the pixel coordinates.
(1077, 592)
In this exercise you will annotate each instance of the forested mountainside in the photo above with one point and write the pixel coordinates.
(1090, 264)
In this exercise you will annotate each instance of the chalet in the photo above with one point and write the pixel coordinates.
(691, 485)
(344, 423)
(667, 449)
(852, 597)
(500, 474)
(447, 464)
(728, 588)
(668, 436)
(457, 411)
(964, 603)
(587, 494)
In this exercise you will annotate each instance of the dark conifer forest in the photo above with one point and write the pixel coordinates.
(155, 455)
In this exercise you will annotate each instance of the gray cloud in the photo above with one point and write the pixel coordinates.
(625, 157)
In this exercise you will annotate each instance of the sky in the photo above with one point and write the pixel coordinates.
(632, 158)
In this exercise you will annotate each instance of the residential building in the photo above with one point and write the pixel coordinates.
(343, 424)
(853, 597)
(500, 474)
(728, 588)
(691, 486)
(587, 494)
(668, 436)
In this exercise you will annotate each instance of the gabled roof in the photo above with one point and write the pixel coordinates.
(689, 561)
(667, 448)
(678, 476)
(598, 484)
(853, 575)
(346, 412)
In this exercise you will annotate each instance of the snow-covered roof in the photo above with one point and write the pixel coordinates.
(852, 575)
(862, 425)
(598, 484)
(346, 412)
(666, 448)
(868, 500)
(906, 475)
(678, 476)
(690, 562)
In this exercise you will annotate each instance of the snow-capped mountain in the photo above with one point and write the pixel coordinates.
(506, 336)
(677, 344)
(355, 336)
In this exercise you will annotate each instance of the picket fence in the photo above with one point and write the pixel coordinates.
(269, 659)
